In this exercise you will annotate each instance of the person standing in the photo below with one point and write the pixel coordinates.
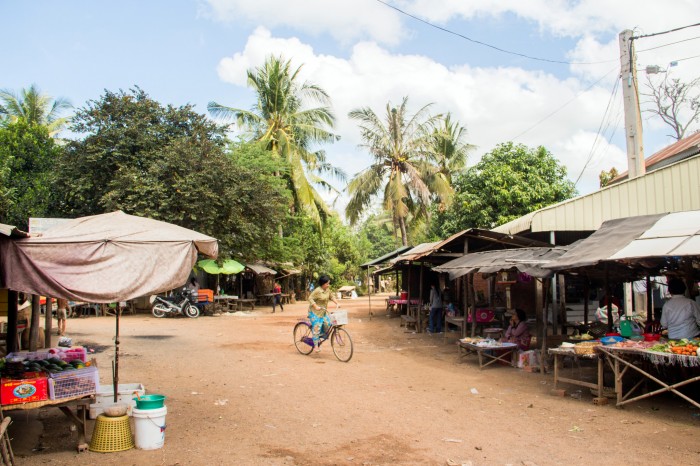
(435, 321)
(277, 297)
(61, 315)
(680, 315)
(318, 312)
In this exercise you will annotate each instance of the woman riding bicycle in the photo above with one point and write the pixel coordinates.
(318, 304)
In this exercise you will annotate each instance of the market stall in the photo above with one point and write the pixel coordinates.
(57, 377)
(489, 351)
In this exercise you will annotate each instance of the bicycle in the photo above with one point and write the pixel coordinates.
(339, 337)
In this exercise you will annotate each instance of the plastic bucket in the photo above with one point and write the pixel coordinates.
(149, 428)
(149, 401)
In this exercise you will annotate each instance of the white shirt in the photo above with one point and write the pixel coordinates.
(681, 316)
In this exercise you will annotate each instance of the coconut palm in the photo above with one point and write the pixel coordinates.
(288, 127)
(34, 107)
(403, 172)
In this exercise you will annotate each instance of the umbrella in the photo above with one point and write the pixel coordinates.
(102, 259)
(228, 267)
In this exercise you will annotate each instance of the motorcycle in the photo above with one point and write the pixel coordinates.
(182, 302)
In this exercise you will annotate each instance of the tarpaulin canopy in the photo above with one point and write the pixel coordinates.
(103, 258)
(636, 240)
(260, 269)
(531, 261)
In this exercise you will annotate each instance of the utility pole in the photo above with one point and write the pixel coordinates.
(630, 95)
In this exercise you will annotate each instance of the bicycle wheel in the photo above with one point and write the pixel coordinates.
(302, 338)
(342, 344)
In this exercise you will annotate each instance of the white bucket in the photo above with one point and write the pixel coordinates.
(149, 427)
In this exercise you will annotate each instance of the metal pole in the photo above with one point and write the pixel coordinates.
(116, 356)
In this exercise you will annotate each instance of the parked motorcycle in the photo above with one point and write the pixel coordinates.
(182, 302)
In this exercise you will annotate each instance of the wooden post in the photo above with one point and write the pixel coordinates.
(47, 322)
(650, 304)
(562, 305)
(587, 292)
(369, 294)
(12, 344)
(34, 328)
(543, 343)
(541, 329)
(472, 303)
(608, 297)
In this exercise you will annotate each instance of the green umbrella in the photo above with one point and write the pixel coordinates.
(228, 267)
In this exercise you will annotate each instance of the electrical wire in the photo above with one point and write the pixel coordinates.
(606, 118)
(564, 105)
(665, 32)
(529, 57)
(666, 45)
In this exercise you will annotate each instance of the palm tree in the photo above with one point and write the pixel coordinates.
(404, 169)
(34, 107)
(282, 121)
(449, 149)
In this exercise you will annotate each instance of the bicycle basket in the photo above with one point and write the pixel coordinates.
(339, 317)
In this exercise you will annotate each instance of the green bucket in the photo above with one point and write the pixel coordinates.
(150, 401)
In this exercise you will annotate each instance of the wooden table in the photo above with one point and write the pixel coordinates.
(623, 359)
(561, 353)
(81, 405)
(225, 301)
(247, 301)
(503, 350)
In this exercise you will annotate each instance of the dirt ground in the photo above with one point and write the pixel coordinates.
(238, 392)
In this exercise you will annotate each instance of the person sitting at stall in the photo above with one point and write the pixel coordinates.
(517, 331)
(680, 315)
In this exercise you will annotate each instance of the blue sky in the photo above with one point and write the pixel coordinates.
(365, 53)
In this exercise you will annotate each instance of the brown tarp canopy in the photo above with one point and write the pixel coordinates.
(528, 260)
(641, 245)
(103, 258)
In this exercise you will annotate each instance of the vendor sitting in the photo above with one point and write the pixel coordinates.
(517, 331)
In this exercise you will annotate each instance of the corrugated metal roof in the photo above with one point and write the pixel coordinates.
(416, 253)
(674, 188)
(260, 269)
(679, 150)
(386, 257)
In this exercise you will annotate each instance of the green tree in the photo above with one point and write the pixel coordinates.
(34, 107)
(449, 146)
(171, 164)
(27, 159)
(285, 123)
(510, 181)
(677, 103)
(606, 177)
(404, 172)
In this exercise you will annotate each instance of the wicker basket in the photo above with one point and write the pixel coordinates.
(586, 347)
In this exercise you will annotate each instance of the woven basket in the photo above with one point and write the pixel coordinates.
(586, 347)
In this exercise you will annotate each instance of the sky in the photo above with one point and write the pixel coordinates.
(536, 72)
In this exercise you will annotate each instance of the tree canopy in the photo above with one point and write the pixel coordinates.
(171, 164)
(405, 172)
(285, 122)
(28, 155)
(34, 107)
(507, 183)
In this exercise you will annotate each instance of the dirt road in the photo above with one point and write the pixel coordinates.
(239, 393)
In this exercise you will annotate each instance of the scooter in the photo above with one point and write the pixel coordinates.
(180, 303)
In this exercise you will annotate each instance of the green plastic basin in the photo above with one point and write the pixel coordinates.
(150, 402)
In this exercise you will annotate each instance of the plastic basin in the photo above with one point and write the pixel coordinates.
(150, 402)
(651, 337)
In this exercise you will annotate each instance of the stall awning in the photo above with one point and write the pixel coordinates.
(386, 257)
(636, 239)
(260, 269)
(531, 261)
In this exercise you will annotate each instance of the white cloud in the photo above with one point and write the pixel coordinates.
(495, 104)
(345, 21)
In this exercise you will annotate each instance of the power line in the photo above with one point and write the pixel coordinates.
(565, 104)
(529, 57)
(606, 117)
(665, 32)
(666, 45)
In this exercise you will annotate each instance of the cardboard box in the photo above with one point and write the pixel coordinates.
(34, 387)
